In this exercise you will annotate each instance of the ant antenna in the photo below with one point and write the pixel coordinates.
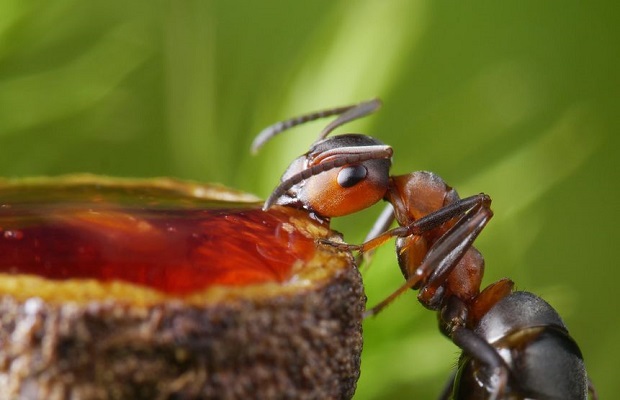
(347, 114)
(351, 155)
(361, 110)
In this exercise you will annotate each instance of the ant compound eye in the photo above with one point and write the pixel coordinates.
(347, 189)
(350, 176)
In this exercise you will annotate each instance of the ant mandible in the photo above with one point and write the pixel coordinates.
(346, 173)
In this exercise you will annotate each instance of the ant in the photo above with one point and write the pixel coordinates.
(514, 344)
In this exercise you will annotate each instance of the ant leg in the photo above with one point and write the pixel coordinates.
(379, 231)
(469, 227)
(432, 220)
(494, 372)
(592, 390)
(446, 392)
(417, 227)
(443, 256)
(480, 350)
(381, 225)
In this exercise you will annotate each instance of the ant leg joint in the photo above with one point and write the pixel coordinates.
(339, 245)
(453, 316)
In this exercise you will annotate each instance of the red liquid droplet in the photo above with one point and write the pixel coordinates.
(179, 249)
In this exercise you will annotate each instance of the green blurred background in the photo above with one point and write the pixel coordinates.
(516, 99)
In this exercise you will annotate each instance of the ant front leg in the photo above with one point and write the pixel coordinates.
(379, 233)
(443, 255)
(381, 225)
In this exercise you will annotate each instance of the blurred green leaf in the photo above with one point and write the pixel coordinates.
(518, 100)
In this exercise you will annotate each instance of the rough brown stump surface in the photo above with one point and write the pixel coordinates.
(296, 339)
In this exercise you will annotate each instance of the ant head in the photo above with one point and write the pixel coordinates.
(339, 175)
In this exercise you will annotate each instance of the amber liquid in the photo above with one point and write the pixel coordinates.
(179, 246)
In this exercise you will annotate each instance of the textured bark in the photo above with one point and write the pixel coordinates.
(305, 345)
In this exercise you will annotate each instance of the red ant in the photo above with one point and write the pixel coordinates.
(514, 344)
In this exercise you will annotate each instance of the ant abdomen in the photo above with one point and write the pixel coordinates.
(529, 335)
